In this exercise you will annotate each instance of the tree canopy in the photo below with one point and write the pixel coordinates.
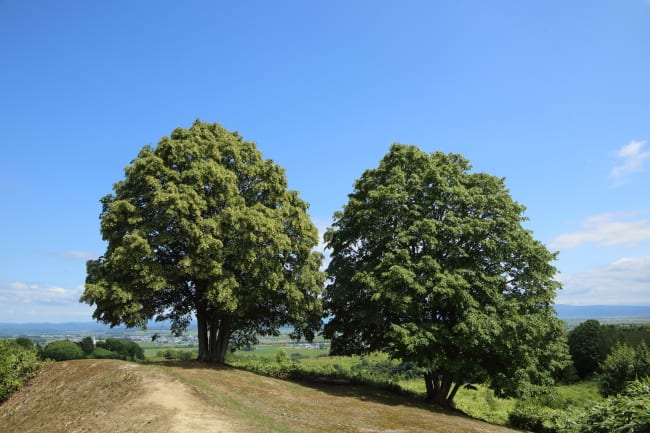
(431, 264)
(590, 343)
(203, 225)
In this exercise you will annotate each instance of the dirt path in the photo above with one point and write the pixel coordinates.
(189, 411)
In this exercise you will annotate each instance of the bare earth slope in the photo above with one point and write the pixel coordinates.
(106, 396)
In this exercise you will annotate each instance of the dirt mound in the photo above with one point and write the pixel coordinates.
(118, 397)
(107, 396)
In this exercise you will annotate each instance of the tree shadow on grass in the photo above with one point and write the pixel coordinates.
(389, 395)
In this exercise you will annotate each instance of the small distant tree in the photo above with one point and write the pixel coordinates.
(129, 350)
(87, 345)
(589, 344)
(26, 343)
(62, 351)
(431, 264)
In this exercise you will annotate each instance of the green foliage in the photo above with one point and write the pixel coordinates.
(431, 264)
(171, 354)
(87, 345)
(101, 353)
(18, 364)
(628, 412)
(62, 350)
(127, 350)
(25, 342)
(624, 364)
(203, 225)
(590, 343)
(387, 370)
(540, 419)
(634, 335)
(481, 403)
(550, 410)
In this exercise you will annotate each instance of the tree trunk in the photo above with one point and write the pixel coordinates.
(428, 381)
(452, 394)
(221, 344)
(202, 327)
(213, 328)
(439, 389)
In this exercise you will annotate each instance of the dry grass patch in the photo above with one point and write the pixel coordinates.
(107, 396)
(285, 406)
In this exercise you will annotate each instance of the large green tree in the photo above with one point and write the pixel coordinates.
(590, 343)
(431, 264)
(203, 225)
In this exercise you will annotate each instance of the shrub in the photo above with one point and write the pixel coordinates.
(532, 418)
(101, 353)
(87, 345)
(128, 350)
(182, 355)
(18, 364)
(186, 355)
(62, 351)
(25, 342)
(628, 412)
(624, 365)
(544, 411)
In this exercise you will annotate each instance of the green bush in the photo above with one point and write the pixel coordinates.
(532, 418)
(18, 364)
(62, 351)
(26, 343)
(624, 365)
(128, 350)
(628, 412)
(171, 354)
(87, 345)
(101, 353)
(545, 410)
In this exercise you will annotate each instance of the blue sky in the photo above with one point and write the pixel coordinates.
(554, 96)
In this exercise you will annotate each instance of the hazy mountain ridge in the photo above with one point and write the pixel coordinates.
(601, 311)
(565, 312)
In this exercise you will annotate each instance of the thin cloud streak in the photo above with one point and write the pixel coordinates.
(72, 255)
(19, 292)
(606, 229)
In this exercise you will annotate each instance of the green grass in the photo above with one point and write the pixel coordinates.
(580, 394)
(480, 403)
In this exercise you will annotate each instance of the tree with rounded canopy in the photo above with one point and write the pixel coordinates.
(431, 264)
(203, 225)
(590, 343)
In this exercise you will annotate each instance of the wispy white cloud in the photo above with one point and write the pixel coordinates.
(625, 281)
(18, 292)
(608, 229)
(72, 255)
(631, 159)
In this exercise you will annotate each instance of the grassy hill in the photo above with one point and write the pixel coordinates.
(108, 396)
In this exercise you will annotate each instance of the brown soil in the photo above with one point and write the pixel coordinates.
(113, 396)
